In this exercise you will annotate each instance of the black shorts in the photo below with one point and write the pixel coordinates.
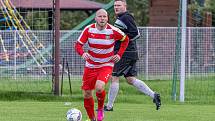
(125, 67)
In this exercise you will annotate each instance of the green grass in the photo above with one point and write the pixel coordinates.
(201, 90)
(32, 100)
(56, 111)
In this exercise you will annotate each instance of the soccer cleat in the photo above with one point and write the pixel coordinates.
(157, 101)
(106, 109)
(100, 115)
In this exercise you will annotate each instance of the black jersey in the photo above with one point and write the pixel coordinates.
(126, 23)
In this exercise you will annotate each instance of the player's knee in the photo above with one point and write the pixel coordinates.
(87, 94)
(115, 79)
(130, 80)
(99, 88)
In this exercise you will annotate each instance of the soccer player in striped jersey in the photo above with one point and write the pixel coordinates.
(127, 65)
(100, 59)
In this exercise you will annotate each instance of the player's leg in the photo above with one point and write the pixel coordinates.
(88, 84)
(140, 85)
(89, 104)
(102, 79)
(132, 80)
(112, 93)
(119, 69)
(100, 94)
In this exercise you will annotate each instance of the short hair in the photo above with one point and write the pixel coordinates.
(122, 1)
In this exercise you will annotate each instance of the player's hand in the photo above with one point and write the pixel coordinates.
(116, 58)
(86, 56)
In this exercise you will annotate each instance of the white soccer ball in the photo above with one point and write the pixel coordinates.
(73, 115)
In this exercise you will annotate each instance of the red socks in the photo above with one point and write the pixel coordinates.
(89, 106)
(101, 99)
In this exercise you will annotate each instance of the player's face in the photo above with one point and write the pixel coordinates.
(119, 7)
(101, 18)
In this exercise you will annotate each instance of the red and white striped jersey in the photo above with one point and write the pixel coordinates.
(101, 44)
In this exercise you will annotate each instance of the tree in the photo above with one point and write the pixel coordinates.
(69, 19)
(210, 6)
(139, 8)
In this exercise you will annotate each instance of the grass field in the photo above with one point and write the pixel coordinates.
(32, 100)
(55, 111)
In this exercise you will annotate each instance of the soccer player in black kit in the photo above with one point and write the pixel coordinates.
(127, 65)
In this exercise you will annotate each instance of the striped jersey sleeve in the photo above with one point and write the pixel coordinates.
(118, 34)
(83, 38)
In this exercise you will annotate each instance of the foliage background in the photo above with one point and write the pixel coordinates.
(139, 8)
